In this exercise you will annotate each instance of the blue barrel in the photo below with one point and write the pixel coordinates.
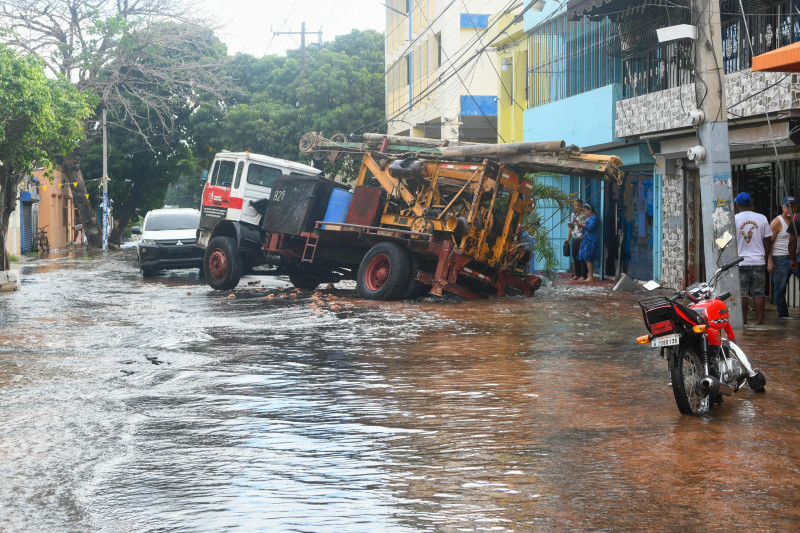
(338, 206)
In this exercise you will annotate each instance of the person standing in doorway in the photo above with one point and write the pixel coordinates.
(753, 240)
(783, 258)
(576, 233)
(589, 244)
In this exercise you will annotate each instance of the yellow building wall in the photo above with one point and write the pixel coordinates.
(512, 65)
(56, 209)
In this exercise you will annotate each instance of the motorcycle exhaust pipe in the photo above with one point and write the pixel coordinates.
(711, 385)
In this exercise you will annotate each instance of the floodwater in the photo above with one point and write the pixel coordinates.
(161, 405)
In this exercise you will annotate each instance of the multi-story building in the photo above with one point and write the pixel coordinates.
(656, 94)
(574, 80)
(441, 78)
(508, 38)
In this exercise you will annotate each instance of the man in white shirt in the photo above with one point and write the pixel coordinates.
(753, 241)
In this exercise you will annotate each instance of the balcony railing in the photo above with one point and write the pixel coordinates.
(672, 65)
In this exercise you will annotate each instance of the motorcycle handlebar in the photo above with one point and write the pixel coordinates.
(724, 296)
(731, 264)
(675, 297)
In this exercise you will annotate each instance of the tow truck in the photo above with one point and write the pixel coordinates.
(423, 217)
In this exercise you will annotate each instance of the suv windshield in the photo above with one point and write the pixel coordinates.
(168, 221)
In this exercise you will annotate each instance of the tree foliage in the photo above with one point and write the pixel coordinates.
(41, 119)
(147, 61)
(540, 242)
(276, 102)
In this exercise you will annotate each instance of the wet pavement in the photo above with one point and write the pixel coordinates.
(161, 405)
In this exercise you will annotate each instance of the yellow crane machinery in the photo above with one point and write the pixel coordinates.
(443, 217)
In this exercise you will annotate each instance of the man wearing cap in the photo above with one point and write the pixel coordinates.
(783, 258)
(753, 240)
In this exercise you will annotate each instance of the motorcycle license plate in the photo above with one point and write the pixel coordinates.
(666, 340)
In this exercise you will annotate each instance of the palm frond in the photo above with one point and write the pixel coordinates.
(540, 243)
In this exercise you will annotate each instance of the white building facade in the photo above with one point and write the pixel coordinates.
(441, 74)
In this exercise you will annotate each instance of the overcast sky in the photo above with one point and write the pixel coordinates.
(248, 24)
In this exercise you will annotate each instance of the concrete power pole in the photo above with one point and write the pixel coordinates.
(105, 185)
(713, 155)
(302, 34)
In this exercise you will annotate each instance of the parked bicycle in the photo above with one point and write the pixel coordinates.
(41, 243)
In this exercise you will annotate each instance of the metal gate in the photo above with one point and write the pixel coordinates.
(26, 229)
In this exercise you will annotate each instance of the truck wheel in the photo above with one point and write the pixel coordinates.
(384, 273)
(222, 263)
(303, 279)
(415, 287)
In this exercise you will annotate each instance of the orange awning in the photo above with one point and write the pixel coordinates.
(784, 59)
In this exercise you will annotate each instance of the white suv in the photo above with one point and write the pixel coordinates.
(167, 240)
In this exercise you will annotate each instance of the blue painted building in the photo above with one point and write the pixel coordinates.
(574, 81)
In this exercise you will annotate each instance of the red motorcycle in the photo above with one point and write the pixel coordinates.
(703, 364)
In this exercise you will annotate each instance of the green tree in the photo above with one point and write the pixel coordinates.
(41, 119)
(147, 61)
(541, 244)
(141, 174)
(340, 90)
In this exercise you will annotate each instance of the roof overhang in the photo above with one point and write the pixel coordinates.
(599, 8)
(618, 10)
(784, 59)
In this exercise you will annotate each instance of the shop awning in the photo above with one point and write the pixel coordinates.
(784, 59)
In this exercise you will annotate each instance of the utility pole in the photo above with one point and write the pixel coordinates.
(302, 34)
(713, 155)
(105, 184)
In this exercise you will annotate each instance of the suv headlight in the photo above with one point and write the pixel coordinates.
(148, 241)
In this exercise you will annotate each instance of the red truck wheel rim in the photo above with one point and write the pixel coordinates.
(218, 264)
(378, 272)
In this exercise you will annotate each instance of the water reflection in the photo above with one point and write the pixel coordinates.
(158, 404)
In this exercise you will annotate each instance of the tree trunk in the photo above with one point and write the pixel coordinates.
(8, 202)
(72, 167)
(125, 214)
(5, 215)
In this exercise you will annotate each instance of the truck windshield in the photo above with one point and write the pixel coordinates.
(170, 221)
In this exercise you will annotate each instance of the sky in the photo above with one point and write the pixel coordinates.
(248, 25)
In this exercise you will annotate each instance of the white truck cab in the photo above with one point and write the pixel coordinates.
(235, 197)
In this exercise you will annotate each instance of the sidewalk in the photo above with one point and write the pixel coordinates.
(771, 319)
(565, 278)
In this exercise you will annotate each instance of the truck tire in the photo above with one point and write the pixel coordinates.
(304, 279)
(415, 287)
(384, 273)
(222, 263)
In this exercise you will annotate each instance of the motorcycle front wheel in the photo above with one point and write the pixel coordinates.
(686, 371)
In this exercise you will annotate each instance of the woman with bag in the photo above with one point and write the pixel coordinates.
(589, 245)
(576, 232)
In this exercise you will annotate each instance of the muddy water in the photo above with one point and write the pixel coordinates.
(143, 405)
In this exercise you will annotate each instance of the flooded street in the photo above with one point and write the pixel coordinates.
(159, 404)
